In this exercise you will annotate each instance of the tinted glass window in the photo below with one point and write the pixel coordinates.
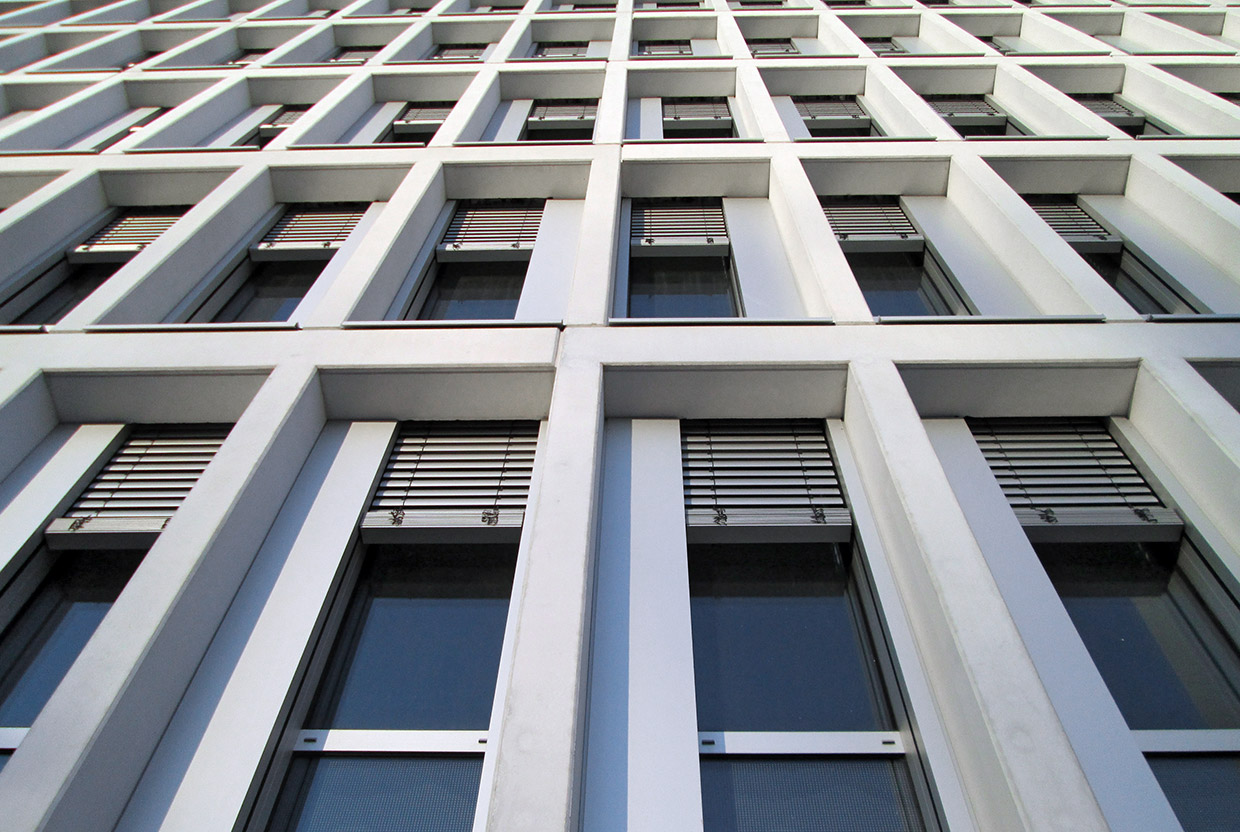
(46, 637)
(896, 283)
(421, 644)
(78, 282)
(1164, 659)
(272, 291)
(475, 291)
(777, 641)
(789, 794)
(380, 794)
(1203, 790)
(680, 287)
(4, 758)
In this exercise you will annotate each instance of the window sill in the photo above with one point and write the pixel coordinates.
(720, 322)
(261, 326)
(245, 148)
(865, 139)
(989, 319)
(554, 59)
(1195, 318)
(694, 141)
(680, 57)
(462, 324)
(21, 329)
(534, 142)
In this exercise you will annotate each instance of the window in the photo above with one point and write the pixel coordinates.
(115, 129)
(561, 49)
(659, 5)
(756, 4)
(680, 263)
(663, 48)
(567, 120)
(844, 4)
(409, 682)
(1135, 589)
(1121, 114)
(835, 116)
(272, 125)
(697, 118)
(1000, 44)
(64, 590)
(975, 115)
(280, 268)
(1109, 256)
(896, 271)
(417, 122)
(785, 665)
(480, 264)
(768, 47)
(245, 57)
(46, 294)
(459, 52)
(883, 46)
(353, 55)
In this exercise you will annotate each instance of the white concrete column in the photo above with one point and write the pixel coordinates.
(86, 750)
(538, 723)
(550, 274)
(590, 297)
(1122, 783)
(27, 415)
(1015, 762)
(643, 769)
(768, 289)
(224, 731)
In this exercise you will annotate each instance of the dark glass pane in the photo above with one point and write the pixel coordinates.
(79, 281)
(808, 794)
(271, 292)
(380, 794)
(42, 642)
(1163, 657)
(1115, 268)
(1203, 790)
(486, 291)
(421, 645)
(4, 758)
(680, 287)
(776, 641)
(895, 283)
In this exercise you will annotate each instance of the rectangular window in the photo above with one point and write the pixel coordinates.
(771, 47)
(273, 125)
(897, 273)
(280, 268)
(835, 116)
(417, 123)
(697, 118)
(480, 264)
(785, 665)
(680, 263)
(883, 46)
(115, 129)
(974, 116)
(458, 52)
(48, 293)
(245, 57)
(561, 49)
(353, 54)
(663, 48)
(564, 120)
(1109, 255)
(1120, 113)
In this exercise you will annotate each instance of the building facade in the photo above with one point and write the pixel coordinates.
(598, 415)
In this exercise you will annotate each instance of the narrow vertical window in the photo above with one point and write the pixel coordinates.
(680, 263)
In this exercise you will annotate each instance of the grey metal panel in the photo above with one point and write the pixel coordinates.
(760, 473)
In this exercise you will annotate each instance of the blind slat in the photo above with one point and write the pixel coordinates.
(486, 227)
(678, 223)
(133, 230)
(314, 226)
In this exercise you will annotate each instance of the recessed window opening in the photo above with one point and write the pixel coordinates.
(763, 47)
(697, 118)
(835, 116)
(353, 54)
(459, 51)
(897, 273)
(975, 115)
(561, 49)
(564, 120)
(680, 263)
(417, 123)
(274, 125)
(663, 48)
(1108, 254)
(883, 46)
(50, 293)
(1123, 115)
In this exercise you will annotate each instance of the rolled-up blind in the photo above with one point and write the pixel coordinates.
(773, 474)
(694, 109)
(324, 226)
(131, 231)
(678, 222)
(963, 106)
(877, 218)
(843, 106)
(454, 475)
(574, 110)
(1071, 474)
(1070, 220)
(424, 112)
(140, 487)
(491, 227)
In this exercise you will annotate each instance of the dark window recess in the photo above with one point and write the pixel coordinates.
(975, 115)
(568, 120)
(680, 263)
(808, 794)
(274, 125)
(45, 637)
(1135, 280)
(1204, 790)
(420, 643)
(835, 116)
(883, 46)
(760, 47)
(1123, 115)
(561, 49)
(280, 268)
(697, 118)
(1164, 658)
(50, 293)
(458, 51)
(844, 4)
(417, 123)
(353, 54)
(999, 44)
(480, 264)
(897, 273)
(756, 4)
(377, 792)
(663, 48)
